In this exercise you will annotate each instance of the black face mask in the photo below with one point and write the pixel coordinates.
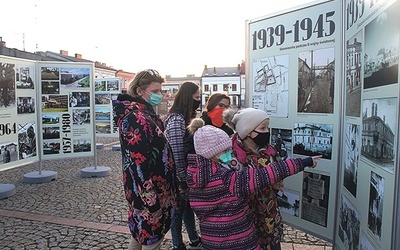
(196, 104)
(262, 139)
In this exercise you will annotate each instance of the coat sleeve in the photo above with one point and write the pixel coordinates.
(251, 180)
(175, 132)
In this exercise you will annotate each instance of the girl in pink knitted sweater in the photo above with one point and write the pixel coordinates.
(219, 189)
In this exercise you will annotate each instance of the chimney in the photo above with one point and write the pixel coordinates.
(64, 52)
(2, 43)
(205, 66)
(78, 55)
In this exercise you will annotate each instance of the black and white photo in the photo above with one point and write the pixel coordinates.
(313, 139)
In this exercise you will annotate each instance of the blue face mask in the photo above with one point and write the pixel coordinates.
(155, 99)
(226, 158)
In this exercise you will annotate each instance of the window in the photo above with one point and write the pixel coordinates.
(226, 87)
(215, 87)
(234, 87)
(206, 88)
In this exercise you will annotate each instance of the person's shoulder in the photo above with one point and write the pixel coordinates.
(174, 117)
(206, 118)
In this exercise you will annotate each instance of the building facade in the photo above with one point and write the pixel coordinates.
(222, 80)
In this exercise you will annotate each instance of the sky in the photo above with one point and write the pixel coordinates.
(175, 37)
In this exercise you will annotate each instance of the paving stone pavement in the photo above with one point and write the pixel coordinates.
(72, 212)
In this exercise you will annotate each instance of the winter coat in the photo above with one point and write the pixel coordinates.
(264, 203)
(148, 169)
(219, 197)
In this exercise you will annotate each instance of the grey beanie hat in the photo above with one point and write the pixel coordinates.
(210, 141)
(246, 120)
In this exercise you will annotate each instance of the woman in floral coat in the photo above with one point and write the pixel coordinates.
(148, 168)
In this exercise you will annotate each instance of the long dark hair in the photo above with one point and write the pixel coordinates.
(183, 103)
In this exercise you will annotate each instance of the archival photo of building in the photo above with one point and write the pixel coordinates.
(377, 134)
(353, 75)
(381, 57)
(313, 139)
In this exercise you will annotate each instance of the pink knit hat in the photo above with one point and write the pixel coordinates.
(210, 141)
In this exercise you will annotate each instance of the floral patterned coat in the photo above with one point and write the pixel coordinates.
(264, 204)
(148, 169)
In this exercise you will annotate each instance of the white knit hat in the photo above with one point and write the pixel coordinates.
(209, 141)
(246, 120)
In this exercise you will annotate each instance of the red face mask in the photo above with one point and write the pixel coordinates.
(216, 117)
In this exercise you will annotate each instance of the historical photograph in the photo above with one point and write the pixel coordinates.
(313, 139)
(79, 99)
(23, 78)
(51, 133)
(8, 152)
(75, 77)
(103, 127)
(113, 85)
(271, 81)
(54, 103)
(81, 116)
(7, 85)
(26, 140)
(289, 202)
(82, 145)
(50, 73)
(349, 224)
(50, 118)
(50, 148)
(100, 85)
(354, 59)
(315, 197)
(375, 211)
(382, 48)
(316, 81)
(25, 105)
(281, 139)
(379, 117)
(50, 87)
(352, 147)
(102, 98)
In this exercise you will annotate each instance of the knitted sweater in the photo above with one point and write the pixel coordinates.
(219, 197)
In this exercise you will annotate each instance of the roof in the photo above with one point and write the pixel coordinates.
(221, 71)
(52, 56)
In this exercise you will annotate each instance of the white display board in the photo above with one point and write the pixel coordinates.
(67, 108)
(106, 91)
(18, 112)
(369, 153)
(294, 74)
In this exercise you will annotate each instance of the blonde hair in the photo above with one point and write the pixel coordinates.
(195, 124)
